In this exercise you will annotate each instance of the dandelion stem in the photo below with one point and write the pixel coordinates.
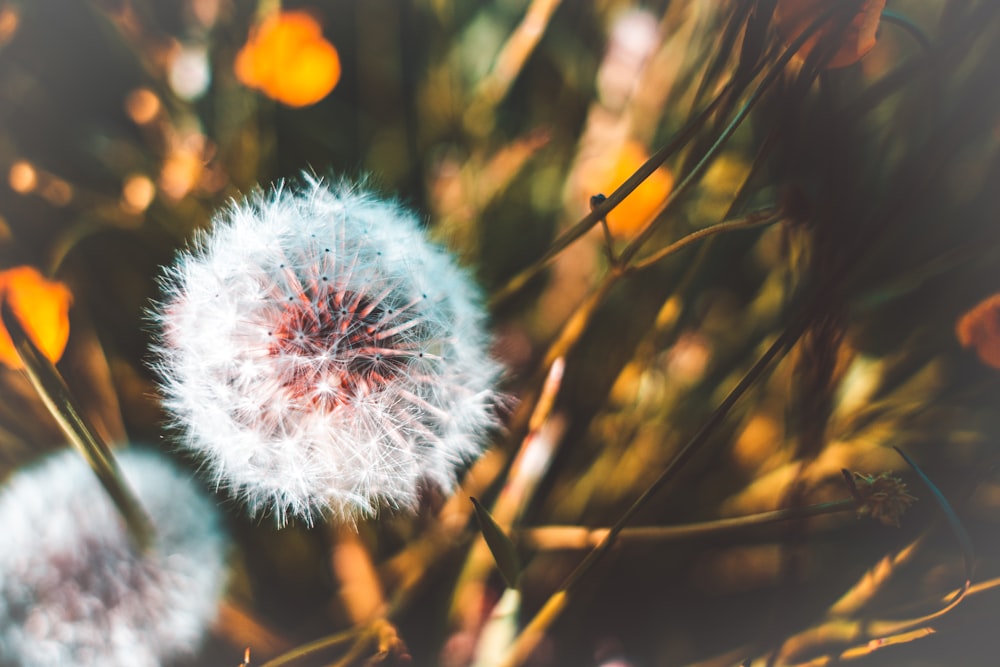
(59, 401)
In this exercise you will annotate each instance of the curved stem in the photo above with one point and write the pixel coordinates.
(911, 28)
(759, 218)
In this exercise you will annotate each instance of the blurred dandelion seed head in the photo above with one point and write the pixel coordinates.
(322, 356)
(73, 591)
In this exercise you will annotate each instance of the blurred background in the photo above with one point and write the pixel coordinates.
(867, 161)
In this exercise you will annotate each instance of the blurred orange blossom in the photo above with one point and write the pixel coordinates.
(979, 328)
(287, 58)
(858, 38)
(636, 210)
(43, 308)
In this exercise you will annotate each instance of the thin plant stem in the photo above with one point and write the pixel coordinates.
(854, 638)
(528, 467)
(535, 629)
(515, 284)
(578, 537)
(961, 534)
(692, 177)
(688, 132)
(577, 323)
(60, 403)
(321, 644)
(817, 637)
(961, 35)
(581, 317)
(911, 28)
(759, 218)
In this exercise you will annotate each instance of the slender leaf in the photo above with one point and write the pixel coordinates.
(501, 546)
(953, 521)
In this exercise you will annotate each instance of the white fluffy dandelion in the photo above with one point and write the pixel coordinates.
(322, 356)
(74, 590)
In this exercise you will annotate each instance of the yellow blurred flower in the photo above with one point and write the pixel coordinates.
(794, 16)
(636, 210)
(980, 329)
(287, 58)
(43, 308)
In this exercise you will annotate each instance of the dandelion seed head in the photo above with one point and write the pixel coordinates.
(322, 357)
(73, 589)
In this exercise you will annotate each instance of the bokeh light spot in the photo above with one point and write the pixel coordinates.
(43, 308)
(142, 105)
(22, 177)
(632, 214)
(137, 193)
(287, 59)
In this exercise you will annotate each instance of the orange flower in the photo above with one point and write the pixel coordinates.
(635, 211)
(288, 60)
(43, 308)
(794, 16)
(980, 329)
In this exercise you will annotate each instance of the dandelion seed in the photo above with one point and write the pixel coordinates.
(323, 357)
(73, 590)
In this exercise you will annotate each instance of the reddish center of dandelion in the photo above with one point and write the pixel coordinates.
(336, 347)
